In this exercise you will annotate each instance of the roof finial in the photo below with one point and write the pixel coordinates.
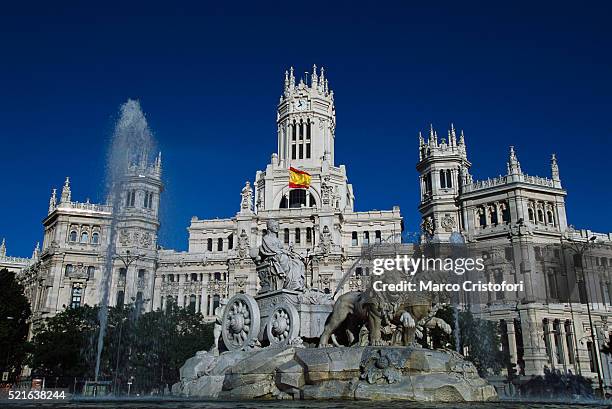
(314, 79)
(452, 135)
(514, 167)
(291, 79)
(66, 193)
(554, 167)
(53, 200)
(3, 248)
(36, 251)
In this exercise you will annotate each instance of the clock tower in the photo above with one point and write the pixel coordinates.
(306, 120)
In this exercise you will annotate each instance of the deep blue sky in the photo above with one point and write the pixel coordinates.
(536, 75)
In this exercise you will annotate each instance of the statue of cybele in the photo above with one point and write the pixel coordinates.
(285, 268)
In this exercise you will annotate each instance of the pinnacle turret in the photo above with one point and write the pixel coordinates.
(3, 248)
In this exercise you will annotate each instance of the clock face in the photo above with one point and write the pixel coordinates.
(300, 105)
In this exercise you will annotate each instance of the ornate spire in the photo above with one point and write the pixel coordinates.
(452, 136)
(158, 162)
(554, 167)
(514, 167)
(421, 139)
(286, 82)
(66, 193)
(322, 80)
(53, 200)
(3, 248)
(314, 79)
(462, 138)
(291, 79)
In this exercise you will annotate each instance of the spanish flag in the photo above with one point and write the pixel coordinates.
(299, 178)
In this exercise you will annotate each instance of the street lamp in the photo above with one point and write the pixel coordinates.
(582, 248)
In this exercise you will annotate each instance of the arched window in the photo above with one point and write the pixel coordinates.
(482, 218)
(120, 298)
(90, 271)
(171, 278)
(449, 180)
(359, 271)
(69, 269)
(354, 239)
(220, 244)
(95, 238)
(283, 203)
(494, 218)
(84, 237)
(297, 198)
(194, 277)
(551, 218)
(192, 302)
(73, 235)
(216, 299)
(366, 238)
(230, 241)
(209, 244)
(313, 202)
(442, 179)
(377, 237)
(506, 215)
(540, 216)
(530, 213)
(286, 234)
(308, 234)
(298, 234)
(217, 276)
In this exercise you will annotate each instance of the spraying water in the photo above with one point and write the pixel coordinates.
(131, 146)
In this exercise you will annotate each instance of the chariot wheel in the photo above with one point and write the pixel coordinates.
(283, 324)
(241, 321)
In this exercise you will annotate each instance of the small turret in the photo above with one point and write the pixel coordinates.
(53, 200)
(3, 248)
(66, 193)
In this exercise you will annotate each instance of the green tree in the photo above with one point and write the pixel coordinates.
(14, 326)
(147, 349)
(65, 345)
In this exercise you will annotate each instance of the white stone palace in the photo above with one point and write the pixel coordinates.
(521, 214)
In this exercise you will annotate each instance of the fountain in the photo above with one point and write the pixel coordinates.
(132, 144)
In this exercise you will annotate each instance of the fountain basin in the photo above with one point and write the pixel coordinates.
(355, 373)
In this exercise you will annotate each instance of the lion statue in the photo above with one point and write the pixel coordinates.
(408, 312)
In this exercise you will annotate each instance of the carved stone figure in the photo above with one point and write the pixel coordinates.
(246, 203)
(278, 267)
(408, 312)
(326, 240)
(326, 191)
(218, 324)
(243, 244)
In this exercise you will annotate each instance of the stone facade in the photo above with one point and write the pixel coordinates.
(518, 222)
(515, 210)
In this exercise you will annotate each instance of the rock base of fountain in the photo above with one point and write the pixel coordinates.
(369, 373)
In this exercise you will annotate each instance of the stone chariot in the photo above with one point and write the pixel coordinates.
(284, 312)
